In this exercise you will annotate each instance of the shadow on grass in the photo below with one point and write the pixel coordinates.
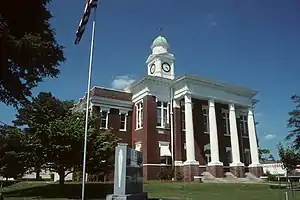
(68, 190)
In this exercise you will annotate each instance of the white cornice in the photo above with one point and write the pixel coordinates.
(167, 56)
(212, 83)
(146, 80)
(111, 103)
(141, 94)
(181, 92)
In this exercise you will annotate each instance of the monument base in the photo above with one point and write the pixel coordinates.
(137, 196)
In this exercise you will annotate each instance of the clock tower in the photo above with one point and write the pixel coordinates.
(160, 62)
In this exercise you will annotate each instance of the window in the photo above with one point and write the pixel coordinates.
(166, 160)
(182, 109)
(247, 157)
(225, 116)
(138, 146)
(207, 158)
(207, 153)
(165, 153)
(205, 118)
(229, 155)
(104, 119)
(139, 115)
(162, 114)
(244, 124)
(123, 121)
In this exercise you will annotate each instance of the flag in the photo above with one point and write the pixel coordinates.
(85, 18)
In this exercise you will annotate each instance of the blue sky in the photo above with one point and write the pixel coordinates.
(249, 43)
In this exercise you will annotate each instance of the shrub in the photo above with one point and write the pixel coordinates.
(270, 176)
(179, 176)
(166, 173)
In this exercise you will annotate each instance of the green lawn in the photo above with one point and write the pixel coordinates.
(207, 191)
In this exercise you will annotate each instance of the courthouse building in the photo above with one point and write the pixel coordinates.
(190, 122)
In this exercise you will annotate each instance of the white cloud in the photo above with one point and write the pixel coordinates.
(121, 82)
(270, 136)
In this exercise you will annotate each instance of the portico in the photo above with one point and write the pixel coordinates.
(235, 101)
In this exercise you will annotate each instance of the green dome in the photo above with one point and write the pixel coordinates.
(160, 41)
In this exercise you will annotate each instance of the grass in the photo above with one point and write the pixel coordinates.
(208, 191)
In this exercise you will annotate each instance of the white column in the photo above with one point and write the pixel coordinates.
(252, 140)
(189, 130)
(213, 135)
(235, 148)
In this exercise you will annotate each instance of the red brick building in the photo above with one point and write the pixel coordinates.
(193, 123)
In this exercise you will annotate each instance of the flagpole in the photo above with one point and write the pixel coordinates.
(87, 107)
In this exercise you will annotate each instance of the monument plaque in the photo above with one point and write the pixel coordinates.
(128, 176)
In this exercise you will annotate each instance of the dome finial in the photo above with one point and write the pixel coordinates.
(160, 41)
(160, 31)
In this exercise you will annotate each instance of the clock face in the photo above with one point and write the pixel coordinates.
(166, 67)
(152, 68)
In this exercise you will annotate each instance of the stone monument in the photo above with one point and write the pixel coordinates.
(128, 174)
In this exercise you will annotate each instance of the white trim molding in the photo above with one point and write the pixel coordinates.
(112, 103)
(139, 114)
(107, 111)
(140, 95)
(125, 121)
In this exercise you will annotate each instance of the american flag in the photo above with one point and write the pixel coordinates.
(85, 18)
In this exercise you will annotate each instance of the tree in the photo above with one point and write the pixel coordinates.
(29, 50)
(289, 156)
(101, 148)
(262, 152)
(34, 115)
(294, 123)
(55, 135)
(63, 152)
(12, 157)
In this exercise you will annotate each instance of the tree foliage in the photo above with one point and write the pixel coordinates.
(64, 149)
(262, 152)
(34, 115)
(294, 123)
(101, 148)
(55, 135)
(289, 156)
(29, 50)
(12, 156)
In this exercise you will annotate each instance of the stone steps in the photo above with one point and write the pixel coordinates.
(228, 178)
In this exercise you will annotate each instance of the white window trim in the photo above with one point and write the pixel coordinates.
(207, 115)
(226, 112)
(165, 144)
(125, 122)
(162, 108)
(106, 119)
(138, 144)
(137, 120)
(182, 111)
(244, 123)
